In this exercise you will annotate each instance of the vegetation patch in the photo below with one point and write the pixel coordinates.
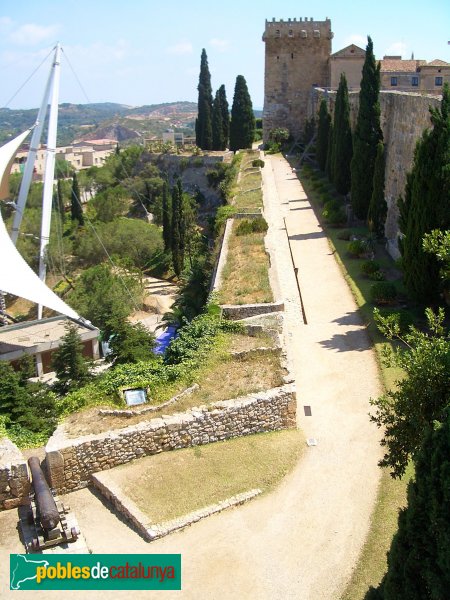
(172, 484)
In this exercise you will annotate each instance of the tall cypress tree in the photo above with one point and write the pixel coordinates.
(426, 205)
(178, 226)
(217, 124)
(242, 127)
(76, 212)
(225, 116)
(376, 217)
(367, 135)
(342, 146)
(166, 217)
(60, 200)
(203, 123)
(329, 162)
(322, 135)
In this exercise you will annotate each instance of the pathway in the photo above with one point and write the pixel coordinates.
(302, 541)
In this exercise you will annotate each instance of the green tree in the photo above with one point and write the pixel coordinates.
(242, 127)
(426, 205)
(110, 203)
(225, 116)
(217, 124)
(178, 229)
(329, 161)
(405, 412)
(438, 243)
(60, 200)
(76, 211)
(203, 123)
(419, 558)
(377, 214)
(342, 146)
(367, 135)
(322, 135)
(71, 368)
(13, 396)
(131, 343)
(167, 218)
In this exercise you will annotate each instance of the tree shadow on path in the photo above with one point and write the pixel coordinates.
(352, 341)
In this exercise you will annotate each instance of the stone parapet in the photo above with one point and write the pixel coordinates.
(14, 482)
(235, 312)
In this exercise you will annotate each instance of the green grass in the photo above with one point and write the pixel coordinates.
(173, 484)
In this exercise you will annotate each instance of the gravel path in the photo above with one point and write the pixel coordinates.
(303, 540)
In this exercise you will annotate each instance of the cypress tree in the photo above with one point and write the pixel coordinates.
(225, 116)
(166, 217)
(426, 205)
(242, 127)
(376, 217)
(217, 124)
(328, 164)
(367, 135)
(203, 123)
(76, 212)
(178, 225)
(60, 200)
(322, 135)
(342, 146)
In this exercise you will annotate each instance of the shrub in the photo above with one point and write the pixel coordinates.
(383, 292)
(333, 213)
(247, 226)
(377, 276)
(223, 213)
(258, 163)
(345, 235)
(357, 248)
(369, 267)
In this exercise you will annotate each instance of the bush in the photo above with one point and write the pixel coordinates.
(369, 267)
(383, 292)
(345, 235)
(258, 163)
(377, 276)
(357, 248)
(223, 213)
(333, 213)
(247, 226)
(272, 148)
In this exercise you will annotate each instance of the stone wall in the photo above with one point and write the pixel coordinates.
(235, 312)
(71, 462)
(14, 483)
(404, 116)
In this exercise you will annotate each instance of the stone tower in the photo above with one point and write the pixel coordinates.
(297, 58)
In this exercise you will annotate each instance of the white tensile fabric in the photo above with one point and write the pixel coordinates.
(7, 155)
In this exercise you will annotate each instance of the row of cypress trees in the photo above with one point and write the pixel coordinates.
(213, 128)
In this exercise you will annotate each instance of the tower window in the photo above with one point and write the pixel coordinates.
(394, 81)
(316, 33)
(438, 81)
(291, 33)
(414, 81)
(277, 33)
(292, 55)
(303, 33)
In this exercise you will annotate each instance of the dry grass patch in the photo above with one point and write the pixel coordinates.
(172, 484)
(241, 342)
(245, 278)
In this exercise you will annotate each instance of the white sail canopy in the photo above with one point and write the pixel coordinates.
(7, 155)
(16, 277)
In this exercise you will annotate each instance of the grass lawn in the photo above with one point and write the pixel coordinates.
(391, 497)
(248, 190)
(245, 278)
(172, 484)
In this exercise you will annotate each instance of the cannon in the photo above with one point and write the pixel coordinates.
(47, 515)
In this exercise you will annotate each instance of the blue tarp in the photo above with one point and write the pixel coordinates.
(164, 339)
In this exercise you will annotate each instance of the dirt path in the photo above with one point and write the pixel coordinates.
(302, 541)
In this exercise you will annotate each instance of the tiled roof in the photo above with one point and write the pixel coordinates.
(389, 65)
(438, 63)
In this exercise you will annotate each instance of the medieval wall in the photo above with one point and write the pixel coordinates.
(14, 483)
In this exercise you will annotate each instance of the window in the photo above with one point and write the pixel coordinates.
(438, 81)
(292, 55)
(414, 81)
(291, 33)
(277, 33)
(393, 81)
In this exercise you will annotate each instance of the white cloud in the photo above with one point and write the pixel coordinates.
(5, 22)
(30, 34)
(221, 45)
(357, 39)
(180, 48)
(397, 49)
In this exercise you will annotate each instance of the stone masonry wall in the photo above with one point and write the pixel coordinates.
(71, 462)
(14, 483)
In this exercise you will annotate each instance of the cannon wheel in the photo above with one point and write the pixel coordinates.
(35, 544)
(74, 534)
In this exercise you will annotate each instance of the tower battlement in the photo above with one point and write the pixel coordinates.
(297, 28)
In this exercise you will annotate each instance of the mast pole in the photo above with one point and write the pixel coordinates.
(29, 165)
(49, 173)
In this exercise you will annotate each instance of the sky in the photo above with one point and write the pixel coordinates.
(146, 52)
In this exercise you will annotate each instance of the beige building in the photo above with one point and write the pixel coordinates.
(349, 60)
(40, 339)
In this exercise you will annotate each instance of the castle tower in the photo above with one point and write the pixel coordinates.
(297, 58)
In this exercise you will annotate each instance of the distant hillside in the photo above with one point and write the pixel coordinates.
(84, 121)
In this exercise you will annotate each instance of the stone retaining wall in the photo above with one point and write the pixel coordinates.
(234, 312)
(14, 483)
(71, 462)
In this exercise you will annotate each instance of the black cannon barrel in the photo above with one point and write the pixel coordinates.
(46, 505)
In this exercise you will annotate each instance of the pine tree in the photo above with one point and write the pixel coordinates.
(71, 368)
(76, 212)
(225, 116)
(376, 217)
(203, 123)
(166, 217)
(342, 146)
(178, 240)
(242, 127)
(322, 135)
(367, 135)
(217, 124)
(426, 205)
